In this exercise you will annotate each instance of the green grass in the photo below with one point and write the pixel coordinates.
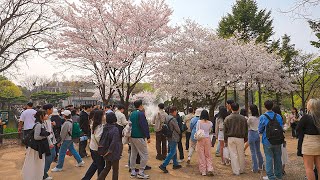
(10, 130)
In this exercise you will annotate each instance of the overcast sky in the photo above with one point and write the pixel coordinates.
(208, 13)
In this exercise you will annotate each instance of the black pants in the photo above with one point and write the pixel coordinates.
(180, 148)
(97, 164)
(106, 170)
(161, 146)
(188, 135)
(82, 148)
(293, 128)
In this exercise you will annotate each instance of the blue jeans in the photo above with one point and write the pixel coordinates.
(48, 161)
(256, 156)
(218, 148)
(171, 155)
(273, 161)
(67, 144)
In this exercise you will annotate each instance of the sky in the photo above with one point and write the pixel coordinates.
(207, 13)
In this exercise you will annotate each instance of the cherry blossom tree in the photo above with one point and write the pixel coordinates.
(119, 41)
(200, 65)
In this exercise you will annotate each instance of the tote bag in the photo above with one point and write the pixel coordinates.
(200, 133)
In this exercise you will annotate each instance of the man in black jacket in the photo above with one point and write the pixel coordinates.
(180, 147)
(85, 127)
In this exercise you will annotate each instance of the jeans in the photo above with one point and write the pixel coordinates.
(161, 145)
(188, 135)
(67, 144)
(97, 164)
(256, 156)
(82, 148)
(180, 148)
(218, 148)
(48, 161)
(273, 161)
(106, 170)
(171, 155)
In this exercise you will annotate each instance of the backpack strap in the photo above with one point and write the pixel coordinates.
(274, 117)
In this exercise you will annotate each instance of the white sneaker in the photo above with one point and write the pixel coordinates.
(80, 164)
(265, 178)
(127, 166)
(171, 162)
(56, 169)
(48, 178)
(180, 160)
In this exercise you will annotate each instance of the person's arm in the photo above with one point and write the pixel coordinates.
(226, 130)
(21, 121)
(261, 125)
(144, 125)
(124, 121)
(64, 131)
(37, 131)
(115, 139)
(301, 125)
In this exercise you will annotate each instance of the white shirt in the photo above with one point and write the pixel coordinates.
(51, 137)
(95, 138)
(121, 118)
(27, 117)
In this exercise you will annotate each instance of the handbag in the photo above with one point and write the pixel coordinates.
(200, 132)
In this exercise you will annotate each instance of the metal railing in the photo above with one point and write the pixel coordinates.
(10, 138)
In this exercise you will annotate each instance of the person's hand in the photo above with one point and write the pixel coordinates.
(19, 130)
(59, 144)
(46, 117)
(51, 146)
(53, 123)
(148, 141)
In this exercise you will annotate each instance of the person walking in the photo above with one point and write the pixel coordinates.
(180, 147)
(204, 145)
(161, 141)
(187, 120)
(38, 148)
(293, 119)
(96, 132)
(271, 151)
(254, 139)
(85, 127)
(139, 132)
(309, 129)
(27, 120)
(235, 132)
(56, 126)
(111, 141)
(67, 143)
(223, 113)
(193, 127)
(172, 123)
(51, 139)
(121, 119)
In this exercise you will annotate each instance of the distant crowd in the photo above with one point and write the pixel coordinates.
(50, 134)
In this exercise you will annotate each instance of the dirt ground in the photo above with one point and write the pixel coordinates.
(12, 158)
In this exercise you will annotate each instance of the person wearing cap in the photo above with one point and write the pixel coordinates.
(193, 127)
(67, 143)
(51, 139)
(27, 120)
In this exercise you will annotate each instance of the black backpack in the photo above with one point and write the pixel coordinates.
(274, 131)
(166, 131)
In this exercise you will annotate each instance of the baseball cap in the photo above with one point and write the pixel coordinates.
(66, 113)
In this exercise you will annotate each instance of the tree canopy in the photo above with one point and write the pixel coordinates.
(247, 20)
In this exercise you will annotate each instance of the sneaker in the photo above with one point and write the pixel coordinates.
(48, 178)
(171, 162)
(147, 167)
(142, 176)
(132, 176)
(188, 162)
(127, 166)
(177, 167)
(80, 164)
(180, 160)
(56, 169)
(164, 169)
(218, 155)
(203, 174)
(265, 178)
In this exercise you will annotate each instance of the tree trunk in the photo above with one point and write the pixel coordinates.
(252, 96)
(277, 99)
(225, 96)
(292, 99)
(234, 94)
(303, 93)
(260, 99)
(246, 98)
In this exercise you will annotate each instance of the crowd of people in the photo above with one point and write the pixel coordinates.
(50, 134)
